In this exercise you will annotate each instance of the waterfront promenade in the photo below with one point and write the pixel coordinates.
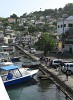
(61, 81)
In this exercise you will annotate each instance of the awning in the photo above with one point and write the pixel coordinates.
(10, 67)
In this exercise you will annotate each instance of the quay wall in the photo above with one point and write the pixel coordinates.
(61, 84)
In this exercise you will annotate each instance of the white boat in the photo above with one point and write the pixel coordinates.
(5, 59)
(15, 74)
(4, 55)
(4, 62)
(29, 63)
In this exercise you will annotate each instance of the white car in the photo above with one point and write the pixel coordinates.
(32, 50)
(56, 62)
(67, 68)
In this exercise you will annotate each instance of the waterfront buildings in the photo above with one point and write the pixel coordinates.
(64, 29)
(64, 24)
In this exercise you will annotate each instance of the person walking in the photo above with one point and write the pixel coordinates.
(46, 61)
(59, 70)
(49, 64)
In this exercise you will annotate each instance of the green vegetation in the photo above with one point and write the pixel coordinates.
(56, 13)
(47, 13)
(46, 43)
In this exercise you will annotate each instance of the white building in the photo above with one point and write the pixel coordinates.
(68, 39)
(11, 20)
(66, 22)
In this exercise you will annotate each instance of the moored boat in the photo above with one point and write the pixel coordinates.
(15, 59)
(30, 64)
(5, 59)
(15, 74)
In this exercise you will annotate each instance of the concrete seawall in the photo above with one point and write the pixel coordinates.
(66, 89)
(60, 81)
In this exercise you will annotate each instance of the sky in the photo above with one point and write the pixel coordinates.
(19, 7)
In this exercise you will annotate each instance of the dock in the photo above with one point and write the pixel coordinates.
(3, 92)
(52, 74)
(29, 55)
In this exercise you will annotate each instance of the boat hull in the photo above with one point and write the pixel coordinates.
(15, 59)
(18, 80)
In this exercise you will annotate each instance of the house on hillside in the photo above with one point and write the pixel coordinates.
(1, 24)
(39, 22)
(65, 28)
(1, 38)
(66, 22)
(11, 20)
(68, 44)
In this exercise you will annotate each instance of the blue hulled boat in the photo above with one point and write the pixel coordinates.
(15, 74)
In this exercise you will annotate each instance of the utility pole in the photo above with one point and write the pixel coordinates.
(64, 16)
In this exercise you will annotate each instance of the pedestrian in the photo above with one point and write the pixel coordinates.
(59, 70)
(67, 71)
(49, 63)
(46, 61)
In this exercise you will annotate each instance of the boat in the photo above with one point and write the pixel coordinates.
(14, 74)
(29, 63)
(5, 59)
(5, 62)
(15, 59)
(4, 55)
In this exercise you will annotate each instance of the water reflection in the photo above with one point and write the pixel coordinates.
(16, 91)
(35, 90)
(43, 85)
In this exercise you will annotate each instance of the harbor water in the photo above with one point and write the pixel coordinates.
(36, 89)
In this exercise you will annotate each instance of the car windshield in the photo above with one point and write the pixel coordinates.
(32, 49)
(57, 61)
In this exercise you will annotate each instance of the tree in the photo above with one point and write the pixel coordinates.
(13, 16)
(32, 28)
(68, 9)
(46, 43)
(5, 23)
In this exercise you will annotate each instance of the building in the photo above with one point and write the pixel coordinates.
(66, 22)
(68, 44)
(39, 22)
(8, 40)
(65, 28)
(1, 25)
(1, 38)
(11, 20)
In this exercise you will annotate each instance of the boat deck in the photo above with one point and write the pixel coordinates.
(22, 72)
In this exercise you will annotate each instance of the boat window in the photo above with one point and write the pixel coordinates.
(71, 65)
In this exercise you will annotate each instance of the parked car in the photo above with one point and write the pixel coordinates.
(67, 68)
(56, 62)
(32, 50)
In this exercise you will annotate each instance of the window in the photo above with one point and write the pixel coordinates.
(70, 25)
(64, 25)
(58, 26)
(57, 61)
(71, 65)
(61, 26)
